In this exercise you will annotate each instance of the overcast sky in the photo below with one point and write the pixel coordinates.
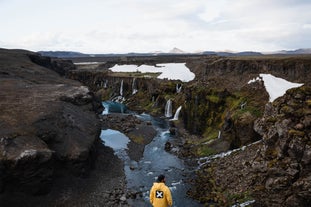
(121, 26)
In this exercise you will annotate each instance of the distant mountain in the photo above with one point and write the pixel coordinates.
(63, 54)
(245, 53)
(175, 50)
(295, 52)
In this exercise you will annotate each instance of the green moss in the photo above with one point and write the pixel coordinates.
(204, 150)
(213, 98)
(308, 102)
(139, 139)
(234, 103)
(249, 109)
(272, 119)
(286, 109)
(240, 197)
(294, 133)
(210, 133)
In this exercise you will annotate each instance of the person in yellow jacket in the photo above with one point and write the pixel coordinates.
(160, 194)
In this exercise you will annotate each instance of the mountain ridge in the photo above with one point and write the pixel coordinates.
(174, 51)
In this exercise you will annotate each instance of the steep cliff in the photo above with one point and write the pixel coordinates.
(233, 72)
(47, 123)
(273, 172)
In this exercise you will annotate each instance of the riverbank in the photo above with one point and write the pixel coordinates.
(105, 185)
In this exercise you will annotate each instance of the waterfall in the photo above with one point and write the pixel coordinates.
(168, 108)
(105, 83)
(134, 87)
(242, 106)
(178, 88)
(121, 88)
(176, 114)
(219, 134)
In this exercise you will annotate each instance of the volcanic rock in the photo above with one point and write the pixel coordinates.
(47, 123)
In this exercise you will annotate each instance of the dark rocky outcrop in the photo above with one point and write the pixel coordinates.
(274, 172)
(233, 72)
(47, 122)
(140, 132)
(60, 66)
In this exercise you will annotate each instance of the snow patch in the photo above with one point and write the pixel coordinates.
(27, 153)
(171, 71)
(276, 87)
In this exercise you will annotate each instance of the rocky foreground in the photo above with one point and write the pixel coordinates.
(50, 152)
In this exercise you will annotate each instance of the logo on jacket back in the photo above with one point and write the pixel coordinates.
(159, 194)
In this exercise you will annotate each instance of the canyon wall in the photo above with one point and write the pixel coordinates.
(48, 123)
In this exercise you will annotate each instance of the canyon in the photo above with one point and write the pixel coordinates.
(51, 120)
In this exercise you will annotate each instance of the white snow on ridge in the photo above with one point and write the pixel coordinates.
(172, 71)
(276, 87)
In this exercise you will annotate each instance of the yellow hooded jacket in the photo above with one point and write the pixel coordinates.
(160, 195)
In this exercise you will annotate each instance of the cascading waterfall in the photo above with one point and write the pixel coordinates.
(219, 134)
(105, 83)
(177, 114)
(242, 106)
(168, 109)
(178, 88)
(134, 86)
(121, 88)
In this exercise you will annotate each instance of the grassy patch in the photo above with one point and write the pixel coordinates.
(204, 150)
(239, 197)
(139, 139)
(297, 133)
(210, 133)
(213, 98)
(249, 109)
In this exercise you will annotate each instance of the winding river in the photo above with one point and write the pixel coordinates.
(141, 175)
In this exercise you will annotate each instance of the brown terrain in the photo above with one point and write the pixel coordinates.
(49, 138)
(51, 154)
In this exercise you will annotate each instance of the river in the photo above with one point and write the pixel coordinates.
(141, 175)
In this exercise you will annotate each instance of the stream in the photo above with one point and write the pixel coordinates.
(141, 175)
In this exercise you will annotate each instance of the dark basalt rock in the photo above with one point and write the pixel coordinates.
(275, 171)
(47, 123)
(60, 66)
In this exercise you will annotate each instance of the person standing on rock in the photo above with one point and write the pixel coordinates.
(160, 194)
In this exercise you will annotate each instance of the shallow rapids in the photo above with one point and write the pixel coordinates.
(141, 175)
